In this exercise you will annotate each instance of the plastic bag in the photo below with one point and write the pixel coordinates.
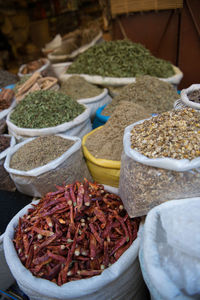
(123, 280)
(95, 102)
(103, 171)
(44, 67)
(99, 118)
(6, 278)
(112, 81)
(77, 127)
(6, 182)
(64, 57)
(67, 168)
(145, 183)
(170, 250)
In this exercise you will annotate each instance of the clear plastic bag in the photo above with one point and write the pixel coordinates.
(145, 183)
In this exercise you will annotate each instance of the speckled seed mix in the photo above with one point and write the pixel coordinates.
(174, 134)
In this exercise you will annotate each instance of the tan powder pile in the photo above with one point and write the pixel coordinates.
(107, 142)
(78, 88)
(155, 95)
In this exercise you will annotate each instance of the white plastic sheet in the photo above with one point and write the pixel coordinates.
(170, 250)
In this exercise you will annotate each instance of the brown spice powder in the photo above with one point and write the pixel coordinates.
(39, 152)
(107, 142)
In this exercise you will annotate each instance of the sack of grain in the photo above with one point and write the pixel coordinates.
(40, 177)
(158, 164)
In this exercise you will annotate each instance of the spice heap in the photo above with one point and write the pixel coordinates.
(74, 233)
(4, 142)
(194, 96)
(6, 97)
(107, 142)
(34, 83)
(78, 88)
(39, 152)
(120, 59)
(7, 78)
(33, 66)
(155, 95)
(3, 126)
(174, 134)
(43, 109)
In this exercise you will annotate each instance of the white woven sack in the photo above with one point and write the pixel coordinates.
(95, 102)
(178, 104)
(44, 67)
(113, 81)
(77, 127)
(185, 99)
(170, 250)
(38, 181)
(65, 57)
(60, 68)
(123, 280)
(6, 278)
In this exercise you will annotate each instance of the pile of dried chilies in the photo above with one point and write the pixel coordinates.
(74, 233)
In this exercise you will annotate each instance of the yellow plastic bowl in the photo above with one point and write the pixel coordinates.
(103, 171)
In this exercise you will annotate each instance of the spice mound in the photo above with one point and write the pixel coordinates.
(78, 88)
(121, 58)
(174, 134)
(33, 66)
(4, 142)
(39, 152)
(155, 95)
(7, 78)
(6, 97)
(74, 233)
(107, 142)
(194, 96)
(43, 109)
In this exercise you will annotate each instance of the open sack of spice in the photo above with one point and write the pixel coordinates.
(85, 93)
(170, 250)
(48, 112)
(7, 102)
(6, 143)
(119, 62)
(103, 146)
(33, 83)
(161, 160)
(190, 97)
(76, 243)
(37, 65)
(36, 165)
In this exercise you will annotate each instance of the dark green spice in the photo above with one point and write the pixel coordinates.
(78, 88)
(39, 152)
(153, 94)
(43, 109)
(120, 59)
(4, 142)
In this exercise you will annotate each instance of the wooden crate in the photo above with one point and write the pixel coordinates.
(127, 6)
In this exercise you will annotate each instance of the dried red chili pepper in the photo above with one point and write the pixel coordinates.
(74, 233)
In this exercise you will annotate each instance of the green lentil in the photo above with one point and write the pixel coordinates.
(39, 152)
(121, 58)
(43, 109)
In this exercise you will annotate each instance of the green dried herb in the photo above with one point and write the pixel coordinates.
(78, 88)
(120, 59)
(43, 109)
